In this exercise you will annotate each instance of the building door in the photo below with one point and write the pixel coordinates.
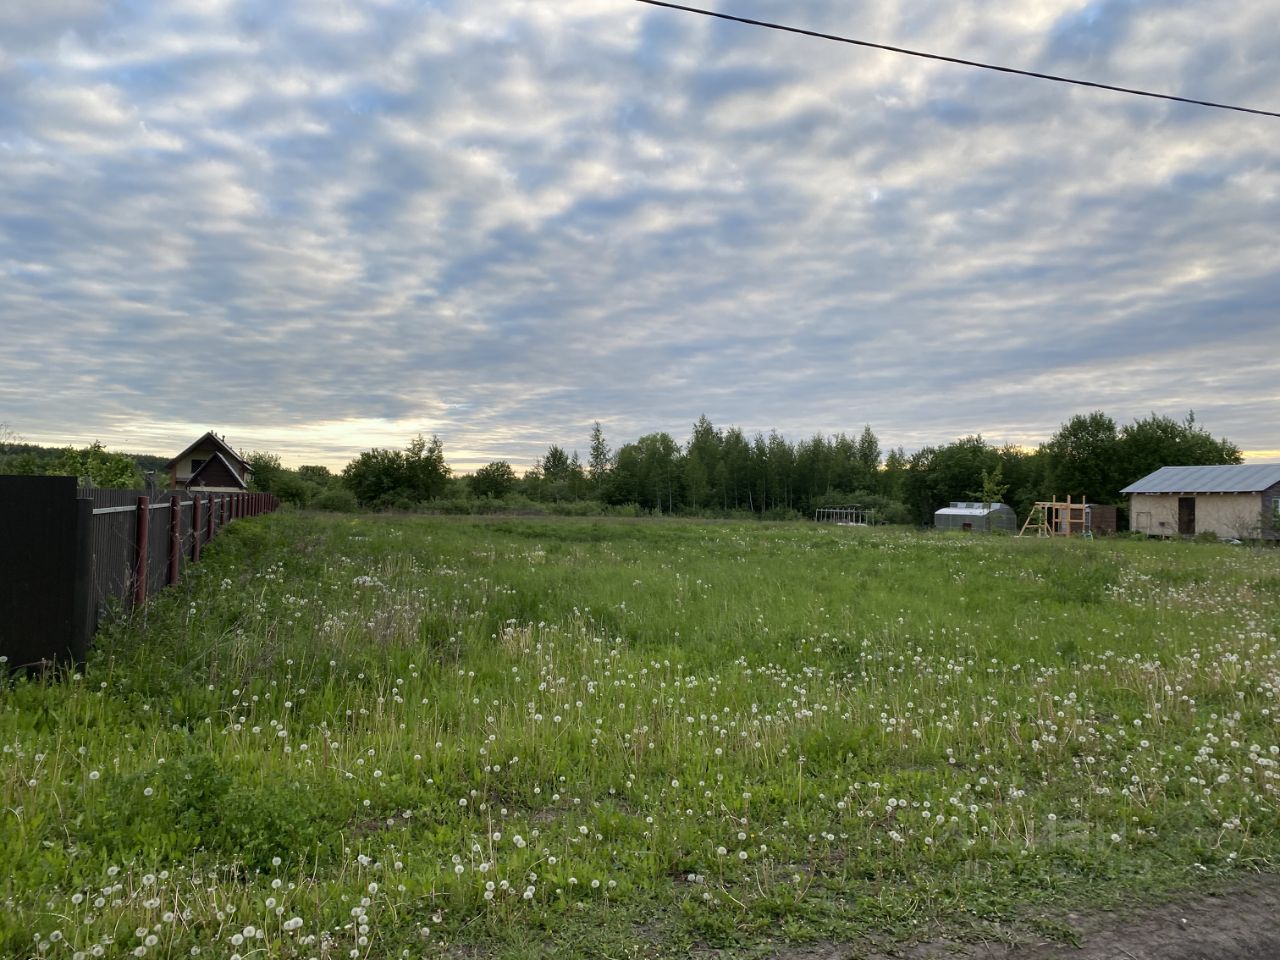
(1187, 516)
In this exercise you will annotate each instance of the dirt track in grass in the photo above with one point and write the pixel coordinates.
(1242, 923)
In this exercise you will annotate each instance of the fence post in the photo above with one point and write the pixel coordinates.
(140, 552)
(175, 538)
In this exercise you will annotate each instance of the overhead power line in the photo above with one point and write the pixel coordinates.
(957, 60)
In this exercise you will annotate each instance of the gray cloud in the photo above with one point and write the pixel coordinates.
(319, 228)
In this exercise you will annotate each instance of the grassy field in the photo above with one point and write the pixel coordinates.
(384, 737)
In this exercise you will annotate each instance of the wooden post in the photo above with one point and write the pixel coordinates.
(197, 528)
(140, 552)
(175, 538)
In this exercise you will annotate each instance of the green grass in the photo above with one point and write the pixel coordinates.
(384, 737)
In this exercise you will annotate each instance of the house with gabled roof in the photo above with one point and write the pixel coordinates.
(209, 465)
(1233, 502)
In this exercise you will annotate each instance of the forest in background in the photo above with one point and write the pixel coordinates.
(717, 472)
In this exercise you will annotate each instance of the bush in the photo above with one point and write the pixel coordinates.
(335, 500)
(781, 513)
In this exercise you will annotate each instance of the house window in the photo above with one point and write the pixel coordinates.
(1275, 506)
(196, 464)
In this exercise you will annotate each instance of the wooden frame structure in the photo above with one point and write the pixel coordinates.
(1054, 518)
(851, 515)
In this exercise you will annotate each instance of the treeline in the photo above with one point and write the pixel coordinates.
(715, 472)
(94, 463)
(725, 472)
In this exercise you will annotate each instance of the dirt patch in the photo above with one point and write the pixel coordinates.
(1243, 924)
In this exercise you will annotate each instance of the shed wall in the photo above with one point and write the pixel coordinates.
(1236, 515)
(1226, 515)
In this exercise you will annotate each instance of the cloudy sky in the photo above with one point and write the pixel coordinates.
(322, 226)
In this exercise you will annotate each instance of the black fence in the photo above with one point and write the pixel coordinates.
(68, 553)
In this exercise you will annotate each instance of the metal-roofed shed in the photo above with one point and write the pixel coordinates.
(1232, 501)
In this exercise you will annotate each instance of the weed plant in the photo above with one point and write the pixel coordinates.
(380, 737)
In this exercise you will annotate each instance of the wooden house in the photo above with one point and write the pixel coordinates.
(209, 465)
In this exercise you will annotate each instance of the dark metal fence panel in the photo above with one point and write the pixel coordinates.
(67, 555)
(158, 547)
(112, 546)
(42, 571)
(189, 530)
(199, 515)
(111, 498)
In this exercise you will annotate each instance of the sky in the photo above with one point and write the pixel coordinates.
(319, 227)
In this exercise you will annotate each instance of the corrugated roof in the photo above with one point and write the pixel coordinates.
(1233, 478)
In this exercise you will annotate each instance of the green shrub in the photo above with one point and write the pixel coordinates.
(335, 500)
(257, 823)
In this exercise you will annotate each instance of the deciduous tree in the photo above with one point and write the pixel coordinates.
(98, 466)
(1081, 458)
(1158, 441)
(495, 480)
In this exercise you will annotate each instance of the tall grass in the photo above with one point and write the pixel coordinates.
(377, 737)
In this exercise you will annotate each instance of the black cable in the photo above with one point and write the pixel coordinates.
(958, 60)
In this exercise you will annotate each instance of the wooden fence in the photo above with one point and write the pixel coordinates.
(67, 554)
